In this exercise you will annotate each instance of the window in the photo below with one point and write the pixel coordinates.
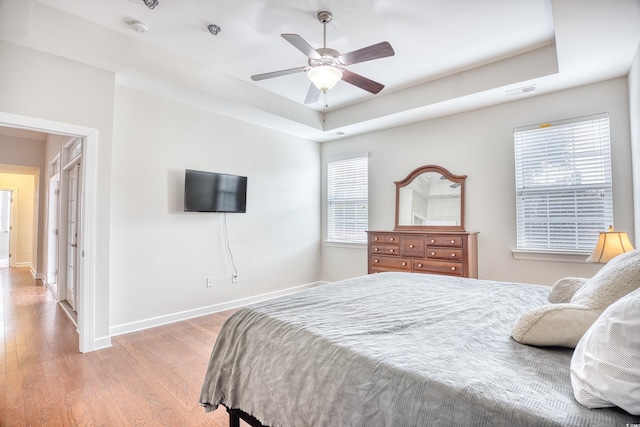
(563, 184)
(348, 199)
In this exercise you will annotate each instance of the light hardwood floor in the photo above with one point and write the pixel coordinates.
(148, 378)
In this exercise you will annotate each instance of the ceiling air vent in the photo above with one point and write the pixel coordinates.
(521, 90)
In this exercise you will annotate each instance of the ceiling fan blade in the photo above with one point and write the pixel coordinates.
(300, 44)
(362, 82)
(278, 73)
(379, 50)
(312, 95)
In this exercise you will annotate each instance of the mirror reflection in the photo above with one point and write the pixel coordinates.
(430, 197)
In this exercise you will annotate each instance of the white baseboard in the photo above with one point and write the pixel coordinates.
(100, 343)
(140, 325)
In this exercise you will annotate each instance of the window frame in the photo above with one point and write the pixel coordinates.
(580, 186)
(332, 238)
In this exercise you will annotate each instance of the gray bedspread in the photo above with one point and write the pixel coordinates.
(395, 349)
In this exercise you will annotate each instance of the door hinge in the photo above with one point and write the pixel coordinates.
(55, 232)
(56, 192)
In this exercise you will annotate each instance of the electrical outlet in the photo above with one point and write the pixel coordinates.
(234, 278)
(209, 282)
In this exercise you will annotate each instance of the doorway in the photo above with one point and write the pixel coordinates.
(92, 329)
(6, 201)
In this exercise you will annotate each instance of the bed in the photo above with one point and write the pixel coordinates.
(395, 349)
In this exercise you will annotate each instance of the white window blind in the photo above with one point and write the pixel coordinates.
(563, 184)
(348, 199)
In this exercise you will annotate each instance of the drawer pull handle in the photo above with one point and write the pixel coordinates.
(392, 239)
(453, 241)
(453, 269)
(391, 250)
(375, 249)
(376, 260)
(419, 265)
(404, 263)
(453, 254)
(433, 241)
(433, 254)
(375, 238)
(411, 246)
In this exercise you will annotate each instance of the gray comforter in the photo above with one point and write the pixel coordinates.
(395, 349)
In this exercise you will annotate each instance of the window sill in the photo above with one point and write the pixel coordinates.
(549, 256)
(352, 245)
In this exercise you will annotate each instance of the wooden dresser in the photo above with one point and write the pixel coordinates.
(452, 253)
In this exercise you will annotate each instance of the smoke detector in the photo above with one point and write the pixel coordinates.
(138, 26)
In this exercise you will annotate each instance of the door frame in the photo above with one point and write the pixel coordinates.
(53, 224)
(12, 224)
(87, 276)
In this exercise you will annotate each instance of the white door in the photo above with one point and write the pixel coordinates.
(5, 227)
(53, 227)
(72, 235)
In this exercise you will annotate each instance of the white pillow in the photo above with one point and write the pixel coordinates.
(554, 325)
(605, 367)
(563, 290)
(617, 278)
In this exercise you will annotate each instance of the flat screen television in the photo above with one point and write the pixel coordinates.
(214, 192)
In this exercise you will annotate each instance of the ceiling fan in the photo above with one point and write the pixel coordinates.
(327, 66)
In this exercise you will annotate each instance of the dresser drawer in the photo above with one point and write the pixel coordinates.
(448, 241)
(387, 263)
(440, 253)
(384, 238)
(438, 267)
(385, 249)
(412, 246)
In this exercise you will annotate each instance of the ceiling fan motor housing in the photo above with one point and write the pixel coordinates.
(324, 17)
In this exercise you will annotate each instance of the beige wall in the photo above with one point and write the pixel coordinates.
(25, 200)
(479, 144)
(29, 155)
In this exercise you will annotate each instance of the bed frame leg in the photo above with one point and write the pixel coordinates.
(234, 420)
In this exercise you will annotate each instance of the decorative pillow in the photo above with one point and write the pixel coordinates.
(564, 324)
(564, 289)
(605, 367)
(554, 325)
(616, 279)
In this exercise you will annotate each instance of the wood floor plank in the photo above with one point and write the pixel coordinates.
(148, 378)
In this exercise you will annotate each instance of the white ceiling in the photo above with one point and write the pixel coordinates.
(449, 56)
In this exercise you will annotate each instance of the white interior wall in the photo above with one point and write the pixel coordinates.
(45, 86)
(160, 255)
(480, 144)
(634, 114)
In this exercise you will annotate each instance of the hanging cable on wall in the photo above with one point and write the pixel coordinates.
(234, 275)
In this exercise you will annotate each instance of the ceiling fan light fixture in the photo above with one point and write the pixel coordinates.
(324, 77)
(151, 3)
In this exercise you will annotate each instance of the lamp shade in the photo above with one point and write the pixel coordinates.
(324, 77)
(610, 244)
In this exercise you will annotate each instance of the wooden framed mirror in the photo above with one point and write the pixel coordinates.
(430, 197)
